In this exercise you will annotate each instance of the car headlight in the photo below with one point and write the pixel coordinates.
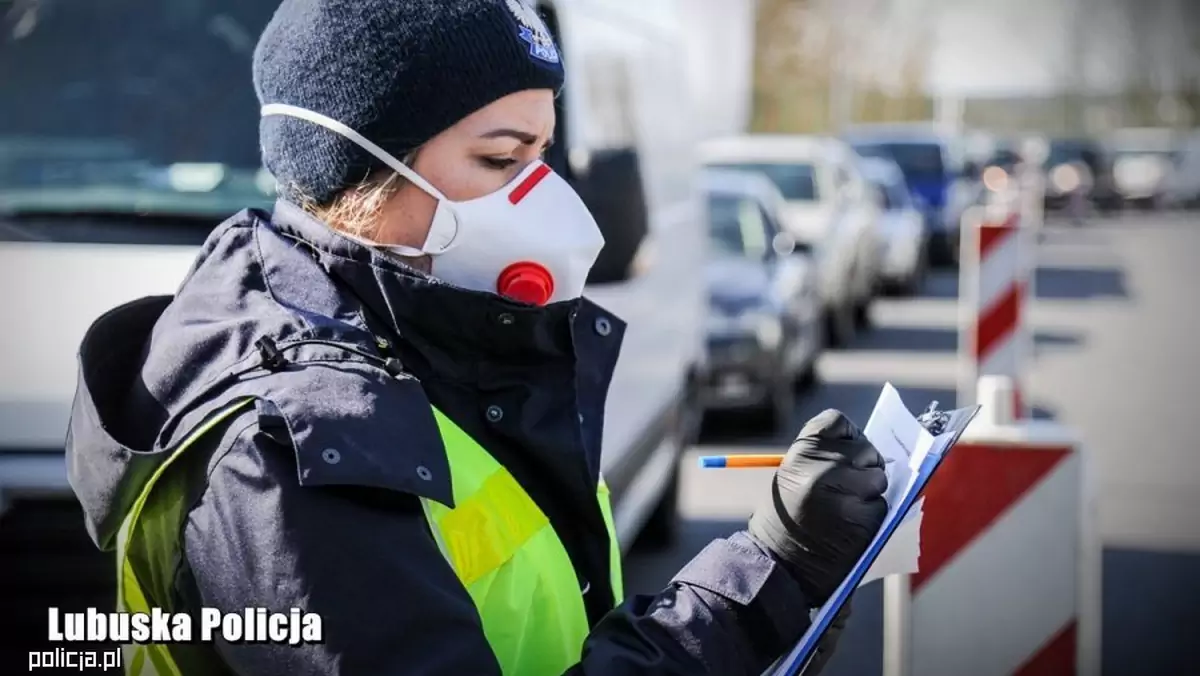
(764, 326)
(995, 179)
(719, 323)
(1065, 179)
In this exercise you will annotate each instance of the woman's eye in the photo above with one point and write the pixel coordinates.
(498, 162)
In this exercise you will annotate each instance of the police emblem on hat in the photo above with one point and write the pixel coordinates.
(534, 31)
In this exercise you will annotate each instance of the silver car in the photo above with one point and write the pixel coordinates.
(903, 239)
(764, 318)
(827, 207)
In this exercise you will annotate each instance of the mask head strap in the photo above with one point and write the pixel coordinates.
(362, 141)
(441, 217)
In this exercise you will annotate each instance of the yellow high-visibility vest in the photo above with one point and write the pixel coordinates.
(499, 543)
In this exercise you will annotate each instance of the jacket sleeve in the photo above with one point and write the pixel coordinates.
(364, 560)
(731, 610)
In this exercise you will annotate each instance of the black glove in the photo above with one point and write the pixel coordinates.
(826, 504)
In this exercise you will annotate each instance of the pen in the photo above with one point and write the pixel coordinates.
(932, 419)
(741, 460)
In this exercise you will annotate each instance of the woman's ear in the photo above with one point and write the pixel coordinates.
(405, 216)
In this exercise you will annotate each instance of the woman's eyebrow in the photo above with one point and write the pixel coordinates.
(523, 136)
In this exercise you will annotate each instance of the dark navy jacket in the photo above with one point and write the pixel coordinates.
(309, 499)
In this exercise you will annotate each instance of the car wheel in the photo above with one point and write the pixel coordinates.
(783, 404)
(912, 285)
(839, 326)
(862, 314)
(942, 252)
(808, 378)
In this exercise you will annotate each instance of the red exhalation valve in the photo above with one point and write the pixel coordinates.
(526, 282)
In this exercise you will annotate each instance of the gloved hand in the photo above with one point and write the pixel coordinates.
(825, 506)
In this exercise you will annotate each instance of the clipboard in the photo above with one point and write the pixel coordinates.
(946, 427)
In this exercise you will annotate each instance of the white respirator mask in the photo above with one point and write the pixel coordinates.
(533, 241)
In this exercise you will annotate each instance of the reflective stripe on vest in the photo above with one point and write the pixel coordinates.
(147, 545)
(511, 561)
(499, 543)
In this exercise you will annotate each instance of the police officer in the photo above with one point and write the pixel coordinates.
(381, 401)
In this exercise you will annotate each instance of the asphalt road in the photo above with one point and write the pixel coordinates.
(1115, 321)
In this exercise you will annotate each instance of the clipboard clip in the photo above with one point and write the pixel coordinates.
(934, 420)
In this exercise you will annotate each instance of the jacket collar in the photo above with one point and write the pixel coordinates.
(457, 329)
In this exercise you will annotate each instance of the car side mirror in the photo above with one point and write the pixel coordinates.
(610, 184)
(783, 244)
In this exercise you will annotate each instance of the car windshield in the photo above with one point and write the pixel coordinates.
(918, 161)
(736, 227)
(130, 106)
(1172, 156)
(1005, 158)
(1066, 151)
(797, 182)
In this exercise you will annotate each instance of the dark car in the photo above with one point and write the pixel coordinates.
(764, 328)
(1080, 164)
(935, 171)
(1006, 157)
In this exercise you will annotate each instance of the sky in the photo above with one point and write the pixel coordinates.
(1025, 47)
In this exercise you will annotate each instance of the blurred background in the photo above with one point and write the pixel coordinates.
(782, 185)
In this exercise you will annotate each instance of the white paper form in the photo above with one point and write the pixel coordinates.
(904, 445)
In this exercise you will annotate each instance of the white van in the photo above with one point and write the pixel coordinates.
(125, 140)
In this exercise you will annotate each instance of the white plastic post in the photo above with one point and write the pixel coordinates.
(1033, 193)
(897, 621)
(996, 398)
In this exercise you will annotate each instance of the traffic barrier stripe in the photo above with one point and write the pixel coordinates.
(991, 235)
(998, 322)
(997, 281)
(1056, 658)
(996, 594)
(973, 486)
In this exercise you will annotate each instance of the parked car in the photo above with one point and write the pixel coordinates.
(828, 209)
(903, 238)
(935, 168)
(1183, 186)
(1005, 156)
(1143, 164)
(1079, 164)
(98, 209)
(764, 322)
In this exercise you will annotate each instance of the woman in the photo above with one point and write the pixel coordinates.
(381, 403)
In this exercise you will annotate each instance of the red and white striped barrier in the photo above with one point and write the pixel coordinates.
(995, 290)
(1009, 581)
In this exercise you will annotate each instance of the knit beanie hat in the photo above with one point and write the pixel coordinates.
(399, 72)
